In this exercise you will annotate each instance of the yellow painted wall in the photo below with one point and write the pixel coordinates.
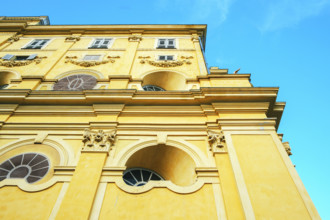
(272, 191)
(17, 204)
(231, 197)
(158, 204)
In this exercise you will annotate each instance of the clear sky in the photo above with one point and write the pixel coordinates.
(283, 43)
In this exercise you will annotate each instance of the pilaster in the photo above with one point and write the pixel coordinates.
(79, 198)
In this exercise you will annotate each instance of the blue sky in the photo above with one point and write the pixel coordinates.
(283, 43)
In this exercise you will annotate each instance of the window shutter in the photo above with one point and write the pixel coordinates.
(32, 57)
(7, 57)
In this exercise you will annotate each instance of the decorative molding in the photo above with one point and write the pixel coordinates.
(28, 50)
(13, 63)
(98, 141)
(115, 174)
(287, 148)
(41, 136)
(85, 49)
(84, 63)
(72, 39)
(195, 38)
(134, 38)
(143, 57)
(14, 38)
(166, 63)
(176, 50)
(216, 141)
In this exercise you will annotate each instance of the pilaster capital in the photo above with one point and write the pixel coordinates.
(98, 141)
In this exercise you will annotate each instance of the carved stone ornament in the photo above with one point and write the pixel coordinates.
(195, 38)
(85, 63)
(72, 38)
(287, 148)
(134, 38)
(14, 38)
(12, 63)
(216, 141)
(98, 141)
(166, 63)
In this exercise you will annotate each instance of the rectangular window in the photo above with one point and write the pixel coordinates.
(165, 57)
(100, 43)
(166, 44)
(36, 44)
(19, 57)
(91, 57)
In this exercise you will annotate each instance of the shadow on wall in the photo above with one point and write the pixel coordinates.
(170, 162)
(166, 80)
(5, 78)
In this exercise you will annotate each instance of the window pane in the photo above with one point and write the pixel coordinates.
(170, 58)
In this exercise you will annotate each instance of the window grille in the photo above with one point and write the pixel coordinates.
(140, 176)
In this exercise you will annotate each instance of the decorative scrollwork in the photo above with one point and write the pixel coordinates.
(12, 63)
(216, 141)
(166, 63)
(14, 38)
(287, 148)
(85, 63)
(72, 38)
(195, 38)
(98, 140)
(134, 38)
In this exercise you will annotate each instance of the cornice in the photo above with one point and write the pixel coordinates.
(224, 76)
(132, 96)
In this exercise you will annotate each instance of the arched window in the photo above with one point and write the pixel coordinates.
(152, 88)
(76, 82)
(29, 166)
(5, 78)
(165, 80)
(140, 176)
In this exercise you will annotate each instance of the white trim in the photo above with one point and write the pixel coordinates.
(241, 186)
(59, 201)
(98, 201)
(97, 74)
(295, 178)
(112, 40)
(175, 57)
(219, 203)
(45, 45)
(176, 43)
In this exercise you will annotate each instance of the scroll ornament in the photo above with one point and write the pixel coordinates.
(14, 38)
(72, 39)
(216, 141)
(84, 63)
(287, 148)
(12, 63)
(166, 63)
(98, 141)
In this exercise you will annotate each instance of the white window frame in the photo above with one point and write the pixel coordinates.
(102, 39)
(13, 57)
(166, 56)
(37, 45)
(166, 46)
(100, 57)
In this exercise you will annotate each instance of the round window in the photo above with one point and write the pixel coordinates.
(29, 166)
(152, 88)
(140, 176)
(76, 82)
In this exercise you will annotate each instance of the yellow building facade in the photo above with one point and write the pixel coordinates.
(127, 122)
